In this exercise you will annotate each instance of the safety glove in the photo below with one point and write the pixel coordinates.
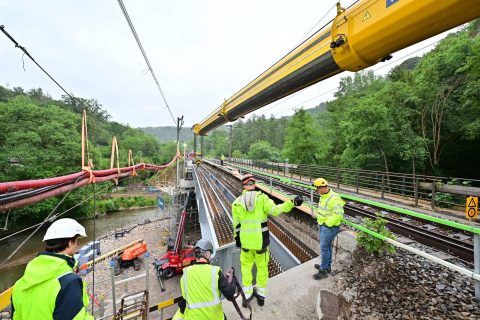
(297, 201)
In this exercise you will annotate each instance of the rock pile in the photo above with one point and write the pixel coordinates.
(405, 286)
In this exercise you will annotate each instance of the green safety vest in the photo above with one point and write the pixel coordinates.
(199, 285)
(330, 209)
(250, 214)
(50, 290)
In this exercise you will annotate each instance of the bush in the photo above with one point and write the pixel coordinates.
(373, 244)
(111, 206)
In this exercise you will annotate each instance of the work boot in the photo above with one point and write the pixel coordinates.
(317, 266)
(321, 274)
(245, 303)
(260, 299)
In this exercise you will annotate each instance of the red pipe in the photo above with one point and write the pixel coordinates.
(42, 196)
(32, 184)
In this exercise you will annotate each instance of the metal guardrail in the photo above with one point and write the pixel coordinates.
(434, 191)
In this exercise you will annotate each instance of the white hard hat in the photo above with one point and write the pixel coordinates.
(64, 228)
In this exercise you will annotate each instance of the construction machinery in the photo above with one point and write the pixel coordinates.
(177, 257)
(126, 256)
(360, 36)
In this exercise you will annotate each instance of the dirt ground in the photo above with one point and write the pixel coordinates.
(155, 234)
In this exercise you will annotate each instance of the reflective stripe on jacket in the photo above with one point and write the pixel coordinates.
(250, 213)
(199, 284)
(50, 290)
(330, 209)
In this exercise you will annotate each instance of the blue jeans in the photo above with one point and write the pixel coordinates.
(326, 240)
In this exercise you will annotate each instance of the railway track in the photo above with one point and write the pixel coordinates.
(220, 213)
(452, 241)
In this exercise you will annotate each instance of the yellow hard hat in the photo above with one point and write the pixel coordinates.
(320, 182)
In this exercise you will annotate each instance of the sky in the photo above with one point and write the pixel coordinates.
(202, 52)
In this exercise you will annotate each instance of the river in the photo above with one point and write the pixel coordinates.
(104, 225)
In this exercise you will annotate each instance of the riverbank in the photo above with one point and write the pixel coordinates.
(155, 234)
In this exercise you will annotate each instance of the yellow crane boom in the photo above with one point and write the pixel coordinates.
(359, 37)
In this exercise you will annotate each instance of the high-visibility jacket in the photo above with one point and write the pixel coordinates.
(250, 213)
(222, 157)
(199, 284)
(330, 209)
(50, 290)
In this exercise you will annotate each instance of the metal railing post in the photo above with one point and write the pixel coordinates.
(271, 186)
(114, 302)
(383, 186)
(433, 194)
(476, 258)
(357, 182)
(147, 279)
(415, 190)
(338, 178)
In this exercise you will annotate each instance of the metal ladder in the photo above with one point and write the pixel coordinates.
(134, 306)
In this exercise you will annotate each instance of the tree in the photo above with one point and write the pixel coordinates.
(302, 142)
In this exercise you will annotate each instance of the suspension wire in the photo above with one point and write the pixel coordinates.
(94, 244)
(6, 222)
(2, 28)
(41, 224)
(316, 24)
(396, 60)
(137, 39)
(376, 69)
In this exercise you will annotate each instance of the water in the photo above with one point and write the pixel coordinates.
(104, 225)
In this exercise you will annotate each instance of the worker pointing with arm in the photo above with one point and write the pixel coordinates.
(49, 289)
(329, 218)
(250, 214)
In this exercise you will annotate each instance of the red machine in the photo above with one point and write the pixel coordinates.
(176, 258)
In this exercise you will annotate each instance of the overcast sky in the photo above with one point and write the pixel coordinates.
(201, 51)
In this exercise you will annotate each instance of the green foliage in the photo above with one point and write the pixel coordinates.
(373, 244)
(302, 142)
(117, 204)
(41, 137)
(262, 150)
(237, 154)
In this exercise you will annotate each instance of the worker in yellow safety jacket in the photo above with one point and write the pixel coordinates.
(329, 218)
(49, 289)
(250, 213)
(222, 158)
(202, 285)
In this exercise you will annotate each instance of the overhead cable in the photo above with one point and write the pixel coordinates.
(2, 27)
(132, 28)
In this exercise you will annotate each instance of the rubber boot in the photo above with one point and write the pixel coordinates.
(260, 299)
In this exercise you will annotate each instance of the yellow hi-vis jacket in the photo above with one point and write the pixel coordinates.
(199, 285)
(330, 209)
(250, 214)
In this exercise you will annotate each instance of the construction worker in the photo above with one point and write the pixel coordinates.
(202, 285)
(49, 289)
(222, 157)
(250, 212)
(329, 218)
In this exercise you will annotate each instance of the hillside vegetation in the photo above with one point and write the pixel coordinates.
(423, 116)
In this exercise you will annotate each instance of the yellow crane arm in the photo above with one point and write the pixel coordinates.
(359, 37)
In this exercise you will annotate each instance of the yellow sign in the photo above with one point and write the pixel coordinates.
(471, 210)
(366, 16)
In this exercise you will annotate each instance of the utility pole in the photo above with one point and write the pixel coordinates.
(195, 143)
(230, 145)
(201, 146)
(179, 128)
